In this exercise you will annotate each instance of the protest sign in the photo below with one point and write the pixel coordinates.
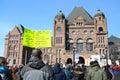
(37, 38)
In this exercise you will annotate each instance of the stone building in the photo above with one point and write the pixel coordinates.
(79, 33)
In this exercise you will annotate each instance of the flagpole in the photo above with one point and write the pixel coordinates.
(26, 57)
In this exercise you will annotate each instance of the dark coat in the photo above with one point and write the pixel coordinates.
(96, 73)
(109, 74)
(78, 73)
(4, 73)
(36, 70)
(59, 72)
(69, 74)
(116, 75)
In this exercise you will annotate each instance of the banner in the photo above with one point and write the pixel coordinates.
(37, 38)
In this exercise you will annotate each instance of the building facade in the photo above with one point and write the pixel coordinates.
(114, 49)
(79, 33)
(13, 45)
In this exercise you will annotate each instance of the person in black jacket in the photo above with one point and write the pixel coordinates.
(59, 72)
(36, 69)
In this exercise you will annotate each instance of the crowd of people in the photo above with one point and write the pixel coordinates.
(37, 69)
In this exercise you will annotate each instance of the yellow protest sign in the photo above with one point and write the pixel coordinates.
(37, 38)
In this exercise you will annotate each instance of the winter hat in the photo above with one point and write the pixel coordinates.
(57, 65)
(36, 52)
(94, 63)
(116, 68)
(91, 63)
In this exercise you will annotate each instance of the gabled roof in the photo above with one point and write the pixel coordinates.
(114, 39)
(20, 28)
(80, 11)
(7, 34)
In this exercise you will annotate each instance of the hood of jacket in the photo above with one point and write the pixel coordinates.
(95, 68)
(3, 69)
(57, 68)
(35, 63)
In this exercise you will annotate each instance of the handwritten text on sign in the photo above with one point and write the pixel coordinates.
(37, 39)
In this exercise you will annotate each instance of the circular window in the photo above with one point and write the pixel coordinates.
(59, 29)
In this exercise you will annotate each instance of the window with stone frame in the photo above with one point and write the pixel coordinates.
(89, 44)
(14, 61)
(58, 39)
(79, 44)
(100, 18)
(69, 45)
(79, 24)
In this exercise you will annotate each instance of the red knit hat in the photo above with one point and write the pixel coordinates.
(116, 68)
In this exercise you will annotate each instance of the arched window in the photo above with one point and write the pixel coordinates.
(56, 51)
(103, 39)
(57, 60)
(60, 51)
(9, 61)
(10, 47)
(60, 60)
(91, 32)
(79, 44)
(98, 39)
(15, 48)
(89, 44)
(85, 31)
(100, 51)
(69, 44)
(14, 61)
(15, 54)
(100, 29)
(46, 58)
(48, 50)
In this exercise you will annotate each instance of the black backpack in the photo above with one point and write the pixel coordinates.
(109, 74)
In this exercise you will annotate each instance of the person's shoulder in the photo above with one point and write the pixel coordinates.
(3, 69)
(25, 69)
(46, 68)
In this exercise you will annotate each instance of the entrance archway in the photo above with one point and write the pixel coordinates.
(81, 60)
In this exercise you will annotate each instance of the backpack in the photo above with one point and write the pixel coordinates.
(109, 74)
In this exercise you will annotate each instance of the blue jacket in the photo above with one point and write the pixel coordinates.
(69, 74)
(59, 73)
(116, 75)
(4, 73)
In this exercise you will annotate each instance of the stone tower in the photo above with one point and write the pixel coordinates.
(101, 33)
(59, 34)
